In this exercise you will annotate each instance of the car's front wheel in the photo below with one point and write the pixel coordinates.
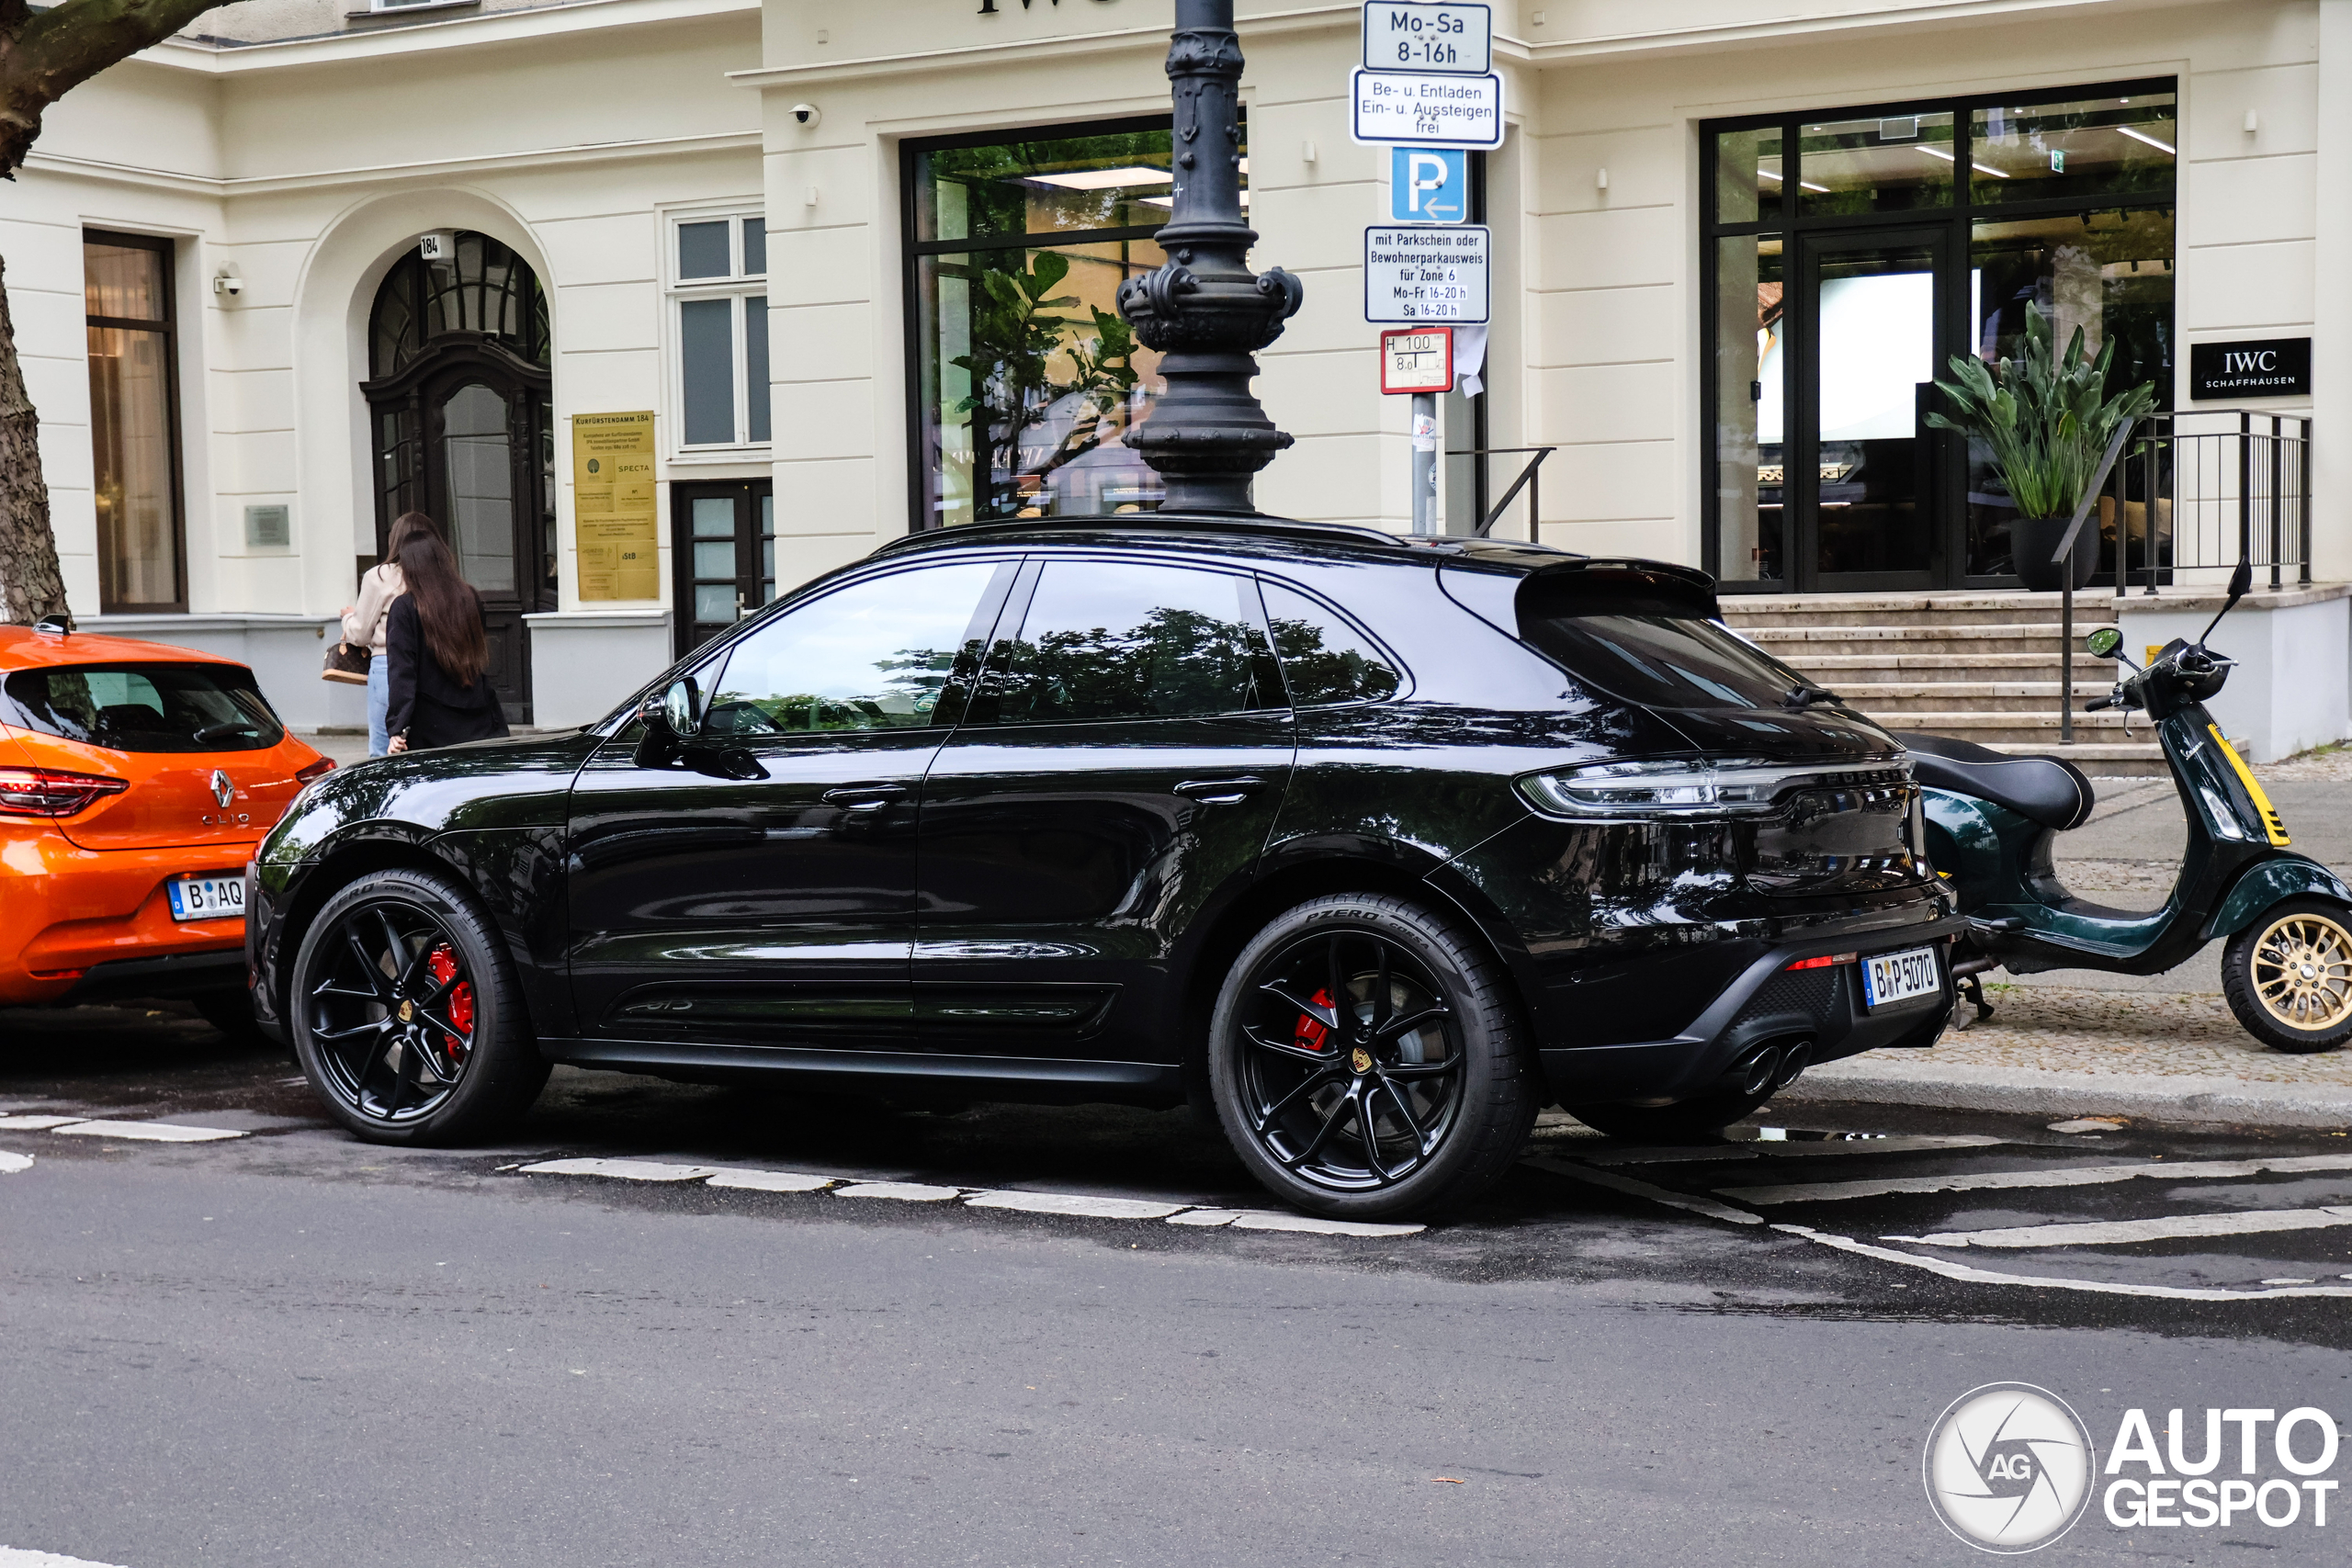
(406, 1014)
(1368, 1061)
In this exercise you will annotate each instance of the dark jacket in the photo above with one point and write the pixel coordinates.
(426, 705)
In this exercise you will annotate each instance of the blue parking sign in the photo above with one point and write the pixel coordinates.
(1429, 184)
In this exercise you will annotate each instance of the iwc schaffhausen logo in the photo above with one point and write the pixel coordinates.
(2008, 1467)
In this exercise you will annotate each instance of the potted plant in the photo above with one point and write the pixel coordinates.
(2048, 421)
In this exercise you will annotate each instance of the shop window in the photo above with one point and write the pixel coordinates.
(135, 421)
(1849, 254)
(718, 268)
(1027, 382)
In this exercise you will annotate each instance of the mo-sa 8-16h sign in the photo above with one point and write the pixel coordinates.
(1414, 36)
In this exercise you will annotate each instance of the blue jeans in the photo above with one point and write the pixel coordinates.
(379, 702)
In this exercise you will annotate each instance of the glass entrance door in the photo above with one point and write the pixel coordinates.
(723, 546)
(1861, 467)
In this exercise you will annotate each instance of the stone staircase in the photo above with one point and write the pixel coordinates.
(1980, 666)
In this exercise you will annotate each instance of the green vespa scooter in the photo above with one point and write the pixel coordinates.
(2286, 920)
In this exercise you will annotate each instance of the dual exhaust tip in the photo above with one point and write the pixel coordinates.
(1772, 1065)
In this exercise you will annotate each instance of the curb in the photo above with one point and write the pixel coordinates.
(2151, 1096)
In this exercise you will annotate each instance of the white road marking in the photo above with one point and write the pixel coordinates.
(10, 1164)
(1626, 1184)
(771, 1180)
(909, 1192)
(144, 1132)
(1776, 1149)
(35, 1124)
(620, 1169)
(1275, 1220)
(17, 1557)
(2096, 1287)
(1205, 1217)
(1074, 1203)
(2108, 1233)
(2058, 1176)
(2088, 1124)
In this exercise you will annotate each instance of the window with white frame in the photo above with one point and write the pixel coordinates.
(719, 293)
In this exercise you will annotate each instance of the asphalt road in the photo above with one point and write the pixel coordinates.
(290, 1347)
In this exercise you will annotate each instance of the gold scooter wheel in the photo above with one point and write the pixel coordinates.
(2289, 976)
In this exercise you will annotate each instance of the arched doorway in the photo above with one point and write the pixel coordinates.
(460, 415)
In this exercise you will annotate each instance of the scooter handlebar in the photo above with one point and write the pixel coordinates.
(2100, 705)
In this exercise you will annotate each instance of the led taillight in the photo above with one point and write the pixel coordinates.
(1826, 962)
(51, 792)
(303, 776)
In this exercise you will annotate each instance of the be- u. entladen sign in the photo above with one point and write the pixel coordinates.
(612, 505)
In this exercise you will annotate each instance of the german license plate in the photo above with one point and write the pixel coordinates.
(1889, 977)
(207, 898)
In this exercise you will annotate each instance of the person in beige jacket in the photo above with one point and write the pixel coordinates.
(364, 623)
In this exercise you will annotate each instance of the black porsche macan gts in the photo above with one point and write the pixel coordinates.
(1376, 845)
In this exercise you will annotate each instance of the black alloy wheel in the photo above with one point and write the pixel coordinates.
(1366, 1060)
(406, 1015)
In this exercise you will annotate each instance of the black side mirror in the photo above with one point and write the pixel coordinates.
(2105, 643)
(2241, 584)
(672, 718)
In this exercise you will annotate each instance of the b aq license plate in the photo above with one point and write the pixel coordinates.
(1890, 977)
(207, 898)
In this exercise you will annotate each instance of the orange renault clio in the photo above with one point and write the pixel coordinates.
(135, 780)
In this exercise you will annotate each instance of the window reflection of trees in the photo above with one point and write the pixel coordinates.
(1172, 663)
(903, 695)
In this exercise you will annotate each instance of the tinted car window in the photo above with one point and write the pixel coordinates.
(1646, 653)
(874, 655)
(1117, 639)
(1324, 658)
(147, 708)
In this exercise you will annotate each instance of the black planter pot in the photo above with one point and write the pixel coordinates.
(2033, 540)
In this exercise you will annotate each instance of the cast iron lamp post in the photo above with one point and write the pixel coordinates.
(1203, 309)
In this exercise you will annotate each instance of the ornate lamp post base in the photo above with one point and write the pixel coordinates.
(1204, 308)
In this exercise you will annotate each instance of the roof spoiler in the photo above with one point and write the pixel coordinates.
(1627, 585)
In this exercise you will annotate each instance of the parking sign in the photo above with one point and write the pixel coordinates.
(1429, 184)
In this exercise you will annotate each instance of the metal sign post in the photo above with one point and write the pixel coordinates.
(1419, 361)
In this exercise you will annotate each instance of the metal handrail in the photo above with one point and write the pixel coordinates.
(1526, 481)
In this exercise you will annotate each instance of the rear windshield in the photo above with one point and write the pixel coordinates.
(147, 708)
(1656, 654)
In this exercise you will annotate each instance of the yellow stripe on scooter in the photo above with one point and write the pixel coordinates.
(2272, 823)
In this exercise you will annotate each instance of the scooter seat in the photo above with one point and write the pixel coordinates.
(2045, 790)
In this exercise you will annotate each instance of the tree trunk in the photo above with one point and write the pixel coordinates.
(30, 584)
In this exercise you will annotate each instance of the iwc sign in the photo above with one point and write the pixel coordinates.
(2268, 368)
(2008, 1468)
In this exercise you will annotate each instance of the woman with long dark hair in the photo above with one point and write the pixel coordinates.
(364, 623)
(439, 655)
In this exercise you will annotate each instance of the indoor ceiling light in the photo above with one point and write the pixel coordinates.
(1980, 168)
(2165, 147)
(1170, 201)
(1103, 179)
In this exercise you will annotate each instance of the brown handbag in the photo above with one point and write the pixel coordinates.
(346, 665)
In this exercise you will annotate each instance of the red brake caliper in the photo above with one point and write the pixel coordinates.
(1309, 1033)
(442, 962)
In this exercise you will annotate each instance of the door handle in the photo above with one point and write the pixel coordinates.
(1220, 792)
(864, 797)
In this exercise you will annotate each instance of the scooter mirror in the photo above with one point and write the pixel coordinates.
(2104, 643)
(2241, 581)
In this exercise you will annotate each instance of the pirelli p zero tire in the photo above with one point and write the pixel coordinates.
(406, 1014)
(1367, 1060)
(2289, 976)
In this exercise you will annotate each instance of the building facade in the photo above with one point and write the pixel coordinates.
(303, 269)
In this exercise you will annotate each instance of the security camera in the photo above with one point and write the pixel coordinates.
(806, 114)
(228, 283)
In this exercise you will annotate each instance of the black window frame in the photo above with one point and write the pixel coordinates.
(167, 329)
(913, 250)
(1958, 218)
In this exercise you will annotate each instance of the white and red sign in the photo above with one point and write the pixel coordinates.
(1416, 359)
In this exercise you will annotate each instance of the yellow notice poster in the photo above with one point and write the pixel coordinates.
(611, 487)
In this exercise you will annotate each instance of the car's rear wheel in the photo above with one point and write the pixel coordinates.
(406, 1014)
(1367, 1061)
